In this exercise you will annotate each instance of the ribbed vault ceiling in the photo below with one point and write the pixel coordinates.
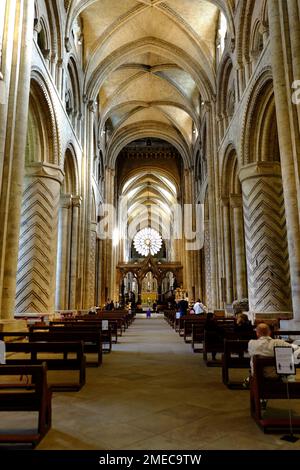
(149, 62)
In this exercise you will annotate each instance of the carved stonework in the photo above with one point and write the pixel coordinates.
(266, 238)
(92, 267)
(207, 265)
(37, 246)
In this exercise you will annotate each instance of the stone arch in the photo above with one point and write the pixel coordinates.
(44, 37)
(225, 90)
(143, 130)
(235, 279)
(73, 93)
(70, 183)
(256, 41)
(230, 183)
(259, 116)
(43, 137)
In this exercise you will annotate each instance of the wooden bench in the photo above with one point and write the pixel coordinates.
(68, 326)
(234, 358)
(188, 326)
(92, 341)
(36, 397)
(262, 388)
(213, 342)
(197, 336)
(64, 362)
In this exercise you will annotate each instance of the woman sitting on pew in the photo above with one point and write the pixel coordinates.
(243, 327)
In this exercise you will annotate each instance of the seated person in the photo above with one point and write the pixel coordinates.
(264, 346)
(199, 308)
(243, 326)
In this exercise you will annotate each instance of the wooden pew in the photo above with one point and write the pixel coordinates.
(264, 388)
(67, 325)
(57, 363)
(234, 358)
(197, 336)
(36, 397)
(91, 339)
(214, 341)
(188, 326)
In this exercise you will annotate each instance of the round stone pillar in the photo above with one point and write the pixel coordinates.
(236, 203)
(63, 262)
(38, 239)
(266, 240)
(73, 300)
(227, 248)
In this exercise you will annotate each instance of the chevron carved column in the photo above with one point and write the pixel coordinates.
(38, 239)
(266, 240)
(92, 264)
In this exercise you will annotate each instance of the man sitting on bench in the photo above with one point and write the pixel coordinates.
(264, 346)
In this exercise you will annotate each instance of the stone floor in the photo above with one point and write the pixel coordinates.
(152, 392)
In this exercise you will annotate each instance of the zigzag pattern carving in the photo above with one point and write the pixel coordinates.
(92, 268)
(207, 264)
(266, 245)
(37, 240)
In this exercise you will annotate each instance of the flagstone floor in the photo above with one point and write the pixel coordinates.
(153, 392)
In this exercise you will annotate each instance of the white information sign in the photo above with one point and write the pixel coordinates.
(104, 324)
(2, 353)
(284, 357)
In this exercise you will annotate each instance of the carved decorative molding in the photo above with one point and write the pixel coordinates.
(45, 170)
(38, 237)
(266, 241)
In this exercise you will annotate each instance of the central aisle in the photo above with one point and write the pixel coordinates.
(152, 392)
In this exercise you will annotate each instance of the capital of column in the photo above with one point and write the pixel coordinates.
(260, 170)
(65, 201)
(45, 170)
(76, 201)
(236, 201)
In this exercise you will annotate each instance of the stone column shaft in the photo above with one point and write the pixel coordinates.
(14, 153)
(227, 249)
(64, 232)
(76, 202)
(90, 112)
(289, 165)
(239, 246)
(92, 264)
(38, 239)
(212, 174)
(266, 241)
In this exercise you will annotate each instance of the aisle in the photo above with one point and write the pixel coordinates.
(152, 392)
